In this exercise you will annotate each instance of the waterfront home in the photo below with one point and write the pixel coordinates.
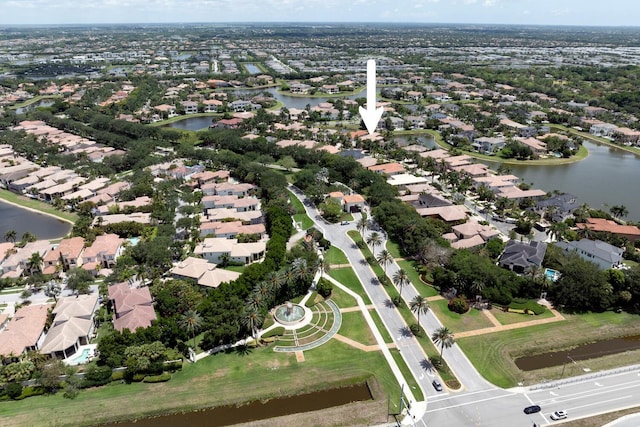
(489, 145)
(631, 232)
(72, 325)
(538, 147)
(67, 254)
(139, 217)
(626, 136)
(215, 249)
(557, 208)
(190, 107)
(203, 272)
(25, 330)
(602, 254)
(521, 257)
(299, 88)
(102, 253)
(17, 263)
(448, 214)
(132, 307)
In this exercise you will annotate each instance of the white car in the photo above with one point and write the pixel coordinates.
(559, 415)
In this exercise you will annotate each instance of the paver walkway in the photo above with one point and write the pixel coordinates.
(358, 345)
(557, 317)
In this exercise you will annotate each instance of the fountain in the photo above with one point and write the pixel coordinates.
(289, 314)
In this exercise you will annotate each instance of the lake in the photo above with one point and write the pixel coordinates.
(607, 177)
(23, 220)
(192, 123)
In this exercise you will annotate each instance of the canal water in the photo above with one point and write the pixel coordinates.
(252, 68)
(22, 220)
(582, 352)
(229, 415)
(607, 177)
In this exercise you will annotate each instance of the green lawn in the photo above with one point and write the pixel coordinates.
(354, 326)
(342, 299)
(406, 373)
(470, 321)
(394, 249)
(422, 288)
(300, 216)
(507, 318)
(236, 268)
(493, 354)
(335, 256)
(348, 278)
(383, 330)
(222, 379)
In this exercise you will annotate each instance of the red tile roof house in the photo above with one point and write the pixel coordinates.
(132, 307)
(353, 203)
(231, 229)
(72, 325)
(25, 331)
(388, 169)
(104, 252)
(631, 232)
(66, 255)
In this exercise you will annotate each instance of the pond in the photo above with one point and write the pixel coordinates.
(22, 220)
(192, 123)
(43, 103)
(582, 352)
(258, 410)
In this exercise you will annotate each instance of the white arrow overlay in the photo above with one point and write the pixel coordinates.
(371, 115)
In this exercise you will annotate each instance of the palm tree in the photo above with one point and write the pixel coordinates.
(444, 337)
(374, 240)
(558, 230)
(384, 258)
(400, 279)
(619, 211)
(28, 237)
(362, 225)
(323, 265)
(191, 321)
(10, 235)
(53, 290)
(35, 262)
(419, 305)
(301, 268)
(252, 319)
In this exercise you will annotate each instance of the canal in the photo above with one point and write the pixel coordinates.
(258, 410)
(22, 220)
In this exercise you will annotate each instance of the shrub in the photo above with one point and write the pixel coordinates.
(173, 365)
(325, 288)
(117, 376)
(311, 301)
(96, 376)
(415, 329)
(136, 378)
(396, 300)
(521, 305)
(165, 376)
(14, 390)
(459, 305)
(31, 391)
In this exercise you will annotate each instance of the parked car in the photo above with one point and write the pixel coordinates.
(559, 415)
(436, 384)
(344, 223)
(532, 409)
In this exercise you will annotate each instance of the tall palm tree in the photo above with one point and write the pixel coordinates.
(301, 268)
(28, 237)
(444, 337)
(384, 258)
(619, 211)
(374, 240)
(252, 319)
(558, 230)
(10, 235)
(419, 305)
(362, 225)
(35, 262)
(191, 321)
(400, 279)
(256, 300)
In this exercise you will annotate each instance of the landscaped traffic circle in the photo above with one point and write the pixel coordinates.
(323, 323)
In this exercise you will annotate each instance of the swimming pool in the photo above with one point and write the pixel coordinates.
(552, 274)
(134, 240)
(83, 358)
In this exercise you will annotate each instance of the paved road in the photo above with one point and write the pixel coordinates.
(478, 402)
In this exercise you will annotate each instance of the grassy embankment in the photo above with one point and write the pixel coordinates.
(494, 354)
(300, 215)
(37, 206)
(234, 378)
(33, 100)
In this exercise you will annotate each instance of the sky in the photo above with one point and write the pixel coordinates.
(525, 12)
